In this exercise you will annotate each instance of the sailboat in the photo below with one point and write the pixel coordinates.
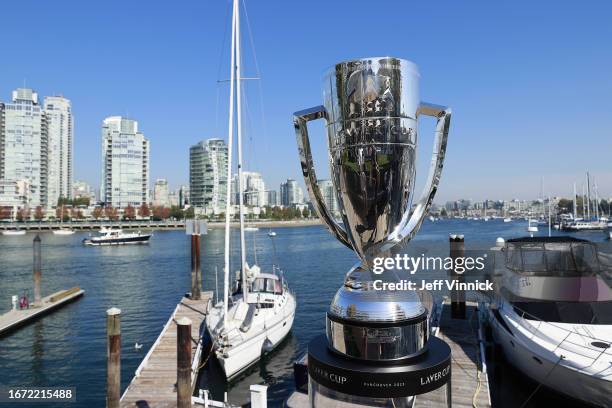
(259, 313)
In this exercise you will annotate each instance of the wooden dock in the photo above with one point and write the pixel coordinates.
(154, 383)
(16, 318)
(470, 384)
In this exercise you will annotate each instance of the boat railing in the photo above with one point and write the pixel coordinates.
(565, 344)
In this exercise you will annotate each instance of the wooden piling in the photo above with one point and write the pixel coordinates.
(196, 274)
(457, 250)
(183, 363)
(113, 357)
(36, 270)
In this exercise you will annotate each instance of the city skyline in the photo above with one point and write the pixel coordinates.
(506, 133)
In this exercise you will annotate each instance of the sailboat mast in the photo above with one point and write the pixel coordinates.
(588, 196)
(596, 202)
(239, 122)
(575, 209)
(228, 193)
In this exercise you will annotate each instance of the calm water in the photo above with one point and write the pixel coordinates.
(68, 347)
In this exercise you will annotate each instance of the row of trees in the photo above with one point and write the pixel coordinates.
(109, 212)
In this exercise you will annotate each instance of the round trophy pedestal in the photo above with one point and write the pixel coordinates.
(334, 379)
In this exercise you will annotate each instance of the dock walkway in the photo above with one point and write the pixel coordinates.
(470, 384)
(154, 383)
(16, 318)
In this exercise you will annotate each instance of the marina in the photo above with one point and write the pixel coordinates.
(152, 277)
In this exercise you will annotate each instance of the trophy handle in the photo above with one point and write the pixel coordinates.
(300, 122)
(412, 219)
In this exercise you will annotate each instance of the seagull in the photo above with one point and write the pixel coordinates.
(137, 346)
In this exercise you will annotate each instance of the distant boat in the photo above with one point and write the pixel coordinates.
(63, 231)
(507, 219)
(13, 232)
(271, 233)
(117, 237)
(586, 226)
(251, 229)
(532, 226)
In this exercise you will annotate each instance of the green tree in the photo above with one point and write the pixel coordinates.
(306, 212)
(190, 213)
(176, 212)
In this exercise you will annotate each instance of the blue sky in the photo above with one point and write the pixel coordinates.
(530, 83)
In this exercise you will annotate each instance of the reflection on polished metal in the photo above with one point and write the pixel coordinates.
(371, 108)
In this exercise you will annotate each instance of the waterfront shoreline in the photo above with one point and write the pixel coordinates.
(149, 225)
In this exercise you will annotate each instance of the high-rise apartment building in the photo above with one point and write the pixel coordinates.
(125, 163)
(329, 196)
(23, 148)
(273, 200)
(183, 196)
(253, 187)
(60, 125)
(208, 175)
(35, 150)
(161, 196)
(291, 193)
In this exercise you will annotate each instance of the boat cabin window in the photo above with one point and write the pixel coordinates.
(266, 285)
(552, 258)
(566, 312)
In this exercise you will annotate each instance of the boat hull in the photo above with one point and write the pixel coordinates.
(143, 239)
(245, 354)
(540, 367)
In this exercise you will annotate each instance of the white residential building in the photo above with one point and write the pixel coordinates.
(125, 163)
(291, 193)
(329, 196)
(23, 147)
(161, 196)
(59, 143)
(208, 175)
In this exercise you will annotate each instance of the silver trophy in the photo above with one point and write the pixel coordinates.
(371, 112)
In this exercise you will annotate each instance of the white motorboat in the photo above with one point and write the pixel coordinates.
(271, 233)
(13, 232)
(507, 219)
(117, 237)
(552, 315)
(63, 231)
(255, 317)
(251, 229)
(586, 226)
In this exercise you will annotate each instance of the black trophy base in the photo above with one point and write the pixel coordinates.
(424, 373)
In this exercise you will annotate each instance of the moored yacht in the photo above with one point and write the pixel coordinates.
(552, 315)
(117, 237)
(254, 326)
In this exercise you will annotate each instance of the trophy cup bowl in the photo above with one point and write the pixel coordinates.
(371, 109)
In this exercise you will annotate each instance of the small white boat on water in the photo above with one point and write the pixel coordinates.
(508, 219)
(117, 237)
(63, 231)
(251, 229)
(271, 233)
(13, 232)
